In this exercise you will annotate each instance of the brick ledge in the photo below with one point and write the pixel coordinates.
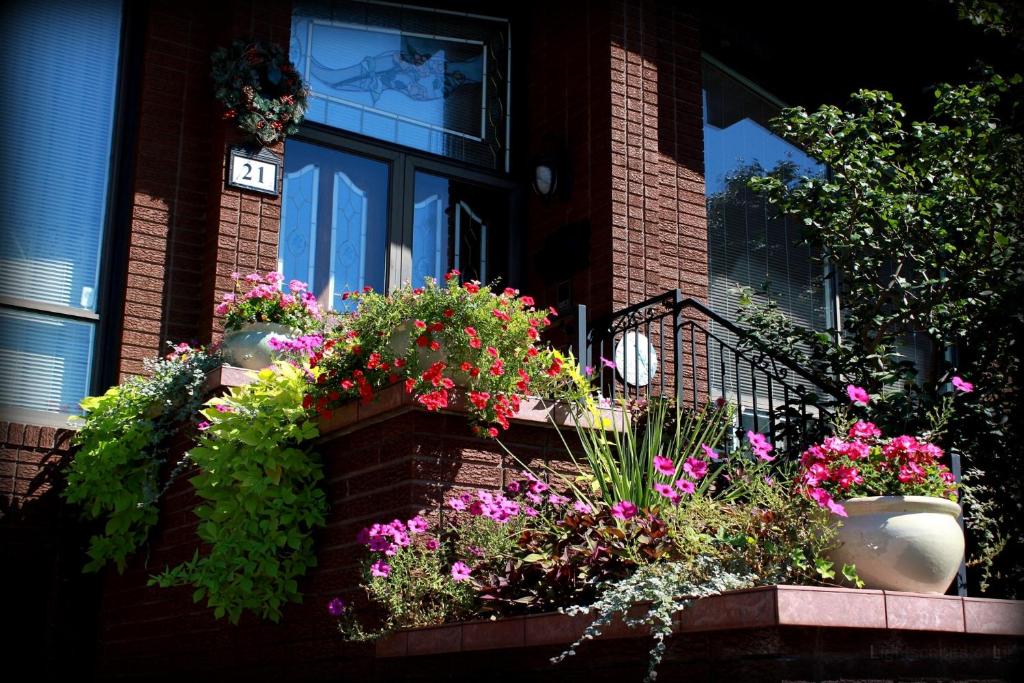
(762, 607)
(392, 401)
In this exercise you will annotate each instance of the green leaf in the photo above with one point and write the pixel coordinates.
(824, 568)
(850, 574)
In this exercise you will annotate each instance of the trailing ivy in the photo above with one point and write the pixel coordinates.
(662, 589)
(122, 446)
(262, 499)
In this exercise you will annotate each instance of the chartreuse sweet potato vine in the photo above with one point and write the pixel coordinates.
(122, 446)
(261, 496)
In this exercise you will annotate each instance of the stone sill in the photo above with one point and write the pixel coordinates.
(762, 607)
(392, 401)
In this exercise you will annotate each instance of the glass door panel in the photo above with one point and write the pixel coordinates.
(458, 224)
(334, 226)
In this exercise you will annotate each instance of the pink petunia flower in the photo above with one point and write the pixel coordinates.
(456, 504)
(624, 509)
(431, 544)
(709, 451)
(203, 426)
(864, 430)
(666, 491)
(962, 385)
(686, 486)
(695, 468)
(858, 395)
(461, 571)
(417, 525)
(336, 607)
(664, 465)
(582, 508)
(380, 568)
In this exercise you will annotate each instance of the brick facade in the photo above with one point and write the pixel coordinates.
(188, 231)
(613, 86)
(374, 472)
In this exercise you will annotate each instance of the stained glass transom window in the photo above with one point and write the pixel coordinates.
(428, 79)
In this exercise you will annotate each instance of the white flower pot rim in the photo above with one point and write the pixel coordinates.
(869, 505)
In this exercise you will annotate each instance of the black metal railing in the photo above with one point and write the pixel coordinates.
(675, 346)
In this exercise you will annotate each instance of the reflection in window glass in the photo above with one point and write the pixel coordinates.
(44, 361)
(334, 224)
(55, 194)
(430, 229)
(430, 80)
(458, 225)
(747, 244)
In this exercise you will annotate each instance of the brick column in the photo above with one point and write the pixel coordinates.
(188, 232)
(658, 221)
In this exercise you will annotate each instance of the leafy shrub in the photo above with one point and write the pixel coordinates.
(262, 499)
(122, 447)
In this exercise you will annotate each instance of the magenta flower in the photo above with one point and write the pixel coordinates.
(461, 571)
(380, 568)
(858, 395)
(456, 504)
(864, 430)
(417, 525)
(824, 499)
(607, 363)
(695, 468)
(582, 508)
(588, 370)
(686, 486)
(336, 607)
(759, 444)
(556, 499)
(666, 491)
(624, 509)
(297, 286)
(664, 465)
(203, 426)
(709, 451)
(431, 544)
(962, 385)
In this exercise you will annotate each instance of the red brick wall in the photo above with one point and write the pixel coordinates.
(188, 232)
(567, 113)
(394, 468)
(49, 605)
(659, 231)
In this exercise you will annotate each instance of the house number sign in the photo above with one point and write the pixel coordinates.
(249, 169)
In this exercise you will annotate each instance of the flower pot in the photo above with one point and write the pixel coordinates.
(901, 543)
(247, 347)
(405, 334)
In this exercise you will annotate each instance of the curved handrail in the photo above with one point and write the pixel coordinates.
(821, 382)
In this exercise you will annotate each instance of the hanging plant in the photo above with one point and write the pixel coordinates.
(260, 89)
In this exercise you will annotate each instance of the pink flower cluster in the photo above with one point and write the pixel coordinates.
(307, 344)
(693, 470)
(390, 538)
(268, 288)
(521, 497)
(863, 460)
(760, 446)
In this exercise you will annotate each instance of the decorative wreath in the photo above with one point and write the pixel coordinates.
(260, 89)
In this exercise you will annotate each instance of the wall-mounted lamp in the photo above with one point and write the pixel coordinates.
(545, 178)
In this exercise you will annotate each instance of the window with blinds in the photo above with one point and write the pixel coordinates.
(748, 245)
(61, 61)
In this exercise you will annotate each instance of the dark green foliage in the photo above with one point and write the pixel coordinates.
(122, 447)
(924, 223)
